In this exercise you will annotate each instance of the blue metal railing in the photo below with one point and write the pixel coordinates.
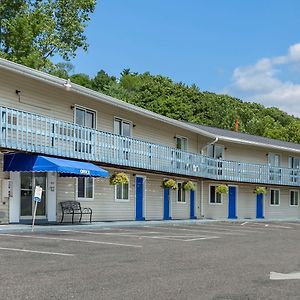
(40, 134)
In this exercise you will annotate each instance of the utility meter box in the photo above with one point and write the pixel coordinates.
(7, 188)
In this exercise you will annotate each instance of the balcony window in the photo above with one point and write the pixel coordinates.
(83, 137)
(181, 144)
(294, 163)
(214, 197)
(215, 152)
(123, 128)
(294, 198)
(275, 197)
(85, 188)
(274, 170)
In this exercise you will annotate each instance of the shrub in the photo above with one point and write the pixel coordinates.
(260, 190)
(188, 186)
(222, 189)
(169, 184)
(118, 178)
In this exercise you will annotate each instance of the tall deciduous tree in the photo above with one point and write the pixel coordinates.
(33, 31)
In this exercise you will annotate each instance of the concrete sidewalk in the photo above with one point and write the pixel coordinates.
(109, 224)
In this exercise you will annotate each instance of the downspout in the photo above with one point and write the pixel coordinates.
(211, 143)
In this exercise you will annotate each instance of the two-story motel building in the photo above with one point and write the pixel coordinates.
(42, 116)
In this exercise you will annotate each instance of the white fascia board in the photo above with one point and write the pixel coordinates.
(245, 142)
(75, 88)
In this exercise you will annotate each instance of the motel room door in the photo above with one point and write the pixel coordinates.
(28, 182)
(232, 195)
(140, 198)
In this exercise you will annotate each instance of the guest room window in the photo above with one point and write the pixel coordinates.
(275, 197)
(214, 197)
(294, 198)
(85, 188)
(122, 192)
(181, 193)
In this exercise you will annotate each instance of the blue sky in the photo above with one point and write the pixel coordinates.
(245, 48)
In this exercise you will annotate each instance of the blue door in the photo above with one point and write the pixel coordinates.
(139, 196)
(232, 203)
(192, 205)
(167, 204)
(259, 206)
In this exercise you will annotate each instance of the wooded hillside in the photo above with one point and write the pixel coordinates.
(180, 101)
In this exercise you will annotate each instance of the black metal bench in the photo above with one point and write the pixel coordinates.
(74, 208)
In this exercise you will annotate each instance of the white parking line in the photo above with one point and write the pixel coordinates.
(35, 251)
(71, 240)
(204, 230)
(185, 238)
(262, 226)
(203, 238)
(244, 223)
(283, 276)
(254, 228)
(272, 225)
(228, 228)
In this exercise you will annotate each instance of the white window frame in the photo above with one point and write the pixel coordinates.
(214, 150)
(182, 137)
(123, 121)
(209, 198)
(122, 200)
(289, 162)
(85, 109)
(280, 159)
(290, 198)
(271, 197)
(183, 192)
(84, 198)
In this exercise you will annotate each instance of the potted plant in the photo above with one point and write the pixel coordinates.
(222, 189)
(188, 186)
(260, 190)
(169, 184)
(118, 178)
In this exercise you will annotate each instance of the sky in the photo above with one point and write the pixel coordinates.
(248, 49)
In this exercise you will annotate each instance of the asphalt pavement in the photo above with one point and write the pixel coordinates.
(217, 261)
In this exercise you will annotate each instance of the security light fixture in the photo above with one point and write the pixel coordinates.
(67, 84)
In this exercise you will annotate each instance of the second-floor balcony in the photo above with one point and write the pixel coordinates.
(29, 132)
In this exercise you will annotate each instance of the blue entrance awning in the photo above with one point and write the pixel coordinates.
(21, 162)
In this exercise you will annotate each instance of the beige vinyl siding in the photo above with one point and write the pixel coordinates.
(4, 203)
(214, 211)
(154, 198)
(104, 205)
(246, 202)
(284, 210)
(180, 210)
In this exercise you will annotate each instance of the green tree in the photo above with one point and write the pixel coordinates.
(33, 31)
(82, 79)
(102, 81)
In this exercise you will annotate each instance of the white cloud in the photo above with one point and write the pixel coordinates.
(262, 81)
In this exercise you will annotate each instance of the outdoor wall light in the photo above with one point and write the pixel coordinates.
(18, 92)
(67, 84)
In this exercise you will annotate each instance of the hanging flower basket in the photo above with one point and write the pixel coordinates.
(222, 189)
(169, 184)
(118, 178)
(260, 190)
(189, 186)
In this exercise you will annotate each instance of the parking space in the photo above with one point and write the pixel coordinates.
(218, 260)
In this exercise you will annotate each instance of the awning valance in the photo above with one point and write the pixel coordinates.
(22, 162)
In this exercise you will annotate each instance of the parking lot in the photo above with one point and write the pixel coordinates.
(167, 261)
